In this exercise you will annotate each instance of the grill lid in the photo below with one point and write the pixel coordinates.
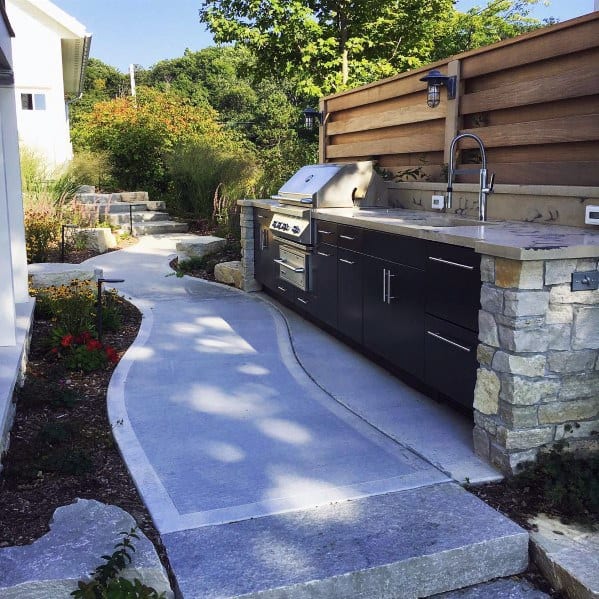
(332, 185)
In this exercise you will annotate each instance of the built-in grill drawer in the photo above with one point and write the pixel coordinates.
(325, 232)
(349, 238)
(294, 266)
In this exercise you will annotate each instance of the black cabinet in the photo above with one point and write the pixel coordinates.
(265, 249)
(324, 283)
(349, 294)
(453, 284)
(452, 304)
(451, 359)
(394, 314)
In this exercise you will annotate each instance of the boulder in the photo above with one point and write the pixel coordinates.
(50, 274)
(198, 246)
(79, 535)
(229, 273)
(98, 239)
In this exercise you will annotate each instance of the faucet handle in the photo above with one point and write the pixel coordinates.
(491, 183)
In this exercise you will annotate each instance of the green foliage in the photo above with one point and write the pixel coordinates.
(498, 20)
(207, 179)
(67, 461)
(569, 483)
(326, 46)
(138, 134)
(40, 391)
(42, 229)
(56, 432)
(106, 583)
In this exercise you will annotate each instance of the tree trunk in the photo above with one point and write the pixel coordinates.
(343, 47)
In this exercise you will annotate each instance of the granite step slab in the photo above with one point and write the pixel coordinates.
(504, 588)
(159, 227)
(122, 218)
(413, 543)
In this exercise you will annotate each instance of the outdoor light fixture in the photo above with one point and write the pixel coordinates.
(101, 281)
(311, 116)
(435, 81)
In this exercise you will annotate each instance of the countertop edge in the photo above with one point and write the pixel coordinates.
(452, 236)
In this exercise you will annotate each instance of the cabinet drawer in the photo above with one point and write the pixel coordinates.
(453, 284)
(325, 232)
(450, 359)
(349, 238)
(263, 216)
(394, 248)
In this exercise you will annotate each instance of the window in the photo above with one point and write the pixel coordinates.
(33, 101)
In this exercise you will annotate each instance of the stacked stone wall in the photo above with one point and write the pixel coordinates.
(538, 380)
(247, 249)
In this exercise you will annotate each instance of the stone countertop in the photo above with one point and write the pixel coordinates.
(506, 239)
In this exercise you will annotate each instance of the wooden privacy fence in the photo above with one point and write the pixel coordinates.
(534, 101)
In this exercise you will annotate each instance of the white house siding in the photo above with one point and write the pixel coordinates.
(37, 58)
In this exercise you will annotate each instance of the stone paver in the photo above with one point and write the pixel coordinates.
(79, 535)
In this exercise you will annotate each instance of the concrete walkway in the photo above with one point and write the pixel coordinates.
(225, 432)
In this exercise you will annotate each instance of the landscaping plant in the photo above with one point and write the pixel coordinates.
(106, 582)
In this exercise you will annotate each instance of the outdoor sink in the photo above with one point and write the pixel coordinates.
(421, 219)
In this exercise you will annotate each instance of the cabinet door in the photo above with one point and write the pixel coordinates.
(349, 297)
(394, 314)
(265, 250)
(453, 284)
(324, 283)
(451, 359)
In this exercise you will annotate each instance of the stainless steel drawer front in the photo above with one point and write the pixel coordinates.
(293, 266)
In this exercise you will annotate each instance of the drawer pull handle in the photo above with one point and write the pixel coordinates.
(323, 254)
(324, 232)
(281, 289)
(299, 299)
(347, 237)
(441, 338)
(465, 266)
(292, 268)
(346, 261)
(262, 216)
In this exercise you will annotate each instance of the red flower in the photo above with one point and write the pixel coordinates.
(54, 350)
(67, 340)
(93, 344)
(111, 355)
(85, 336)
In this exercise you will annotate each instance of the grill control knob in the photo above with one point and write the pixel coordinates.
(295, 229)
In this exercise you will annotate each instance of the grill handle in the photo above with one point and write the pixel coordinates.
(292, 268)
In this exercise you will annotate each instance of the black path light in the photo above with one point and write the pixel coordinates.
(101, 281)
(311, 117)
(435, 80)
(62, 239)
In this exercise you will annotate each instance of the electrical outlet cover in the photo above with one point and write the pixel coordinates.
(438, 202)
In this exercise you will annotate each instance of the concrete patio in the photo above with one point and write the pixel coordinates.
(276, 462)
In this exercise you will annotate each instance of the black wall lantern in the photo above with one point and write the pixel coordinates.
(311, 117)
(435, 81)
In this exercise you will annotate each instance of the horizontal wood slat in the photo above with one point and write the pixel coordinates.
(384, 91)
(389, 118)
(554, 43)
(573, 128)
(571, 84)
(397, 145)
(540, 173)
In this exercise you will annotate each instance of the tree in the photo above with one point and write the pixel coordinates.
(329, 45)
(138, 134)
(498, 20)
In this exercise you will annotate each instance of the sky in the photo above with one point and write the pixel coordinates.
(146, 31)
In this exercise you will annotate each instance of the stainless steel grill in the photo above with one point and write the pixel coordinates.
(334, 185)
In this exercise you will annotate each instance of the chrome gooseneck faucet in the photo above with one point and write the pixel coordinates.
(485, 187)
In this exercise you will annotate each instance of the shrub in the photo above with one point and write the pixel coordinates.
(72, 307)
(106, 583)
(83, 352)
(568, 482)
(42, 229)
(207, 180)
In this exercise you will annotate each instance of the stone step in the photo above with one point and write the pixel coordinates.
(158, 227)
(122, 218)
(414, 543)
